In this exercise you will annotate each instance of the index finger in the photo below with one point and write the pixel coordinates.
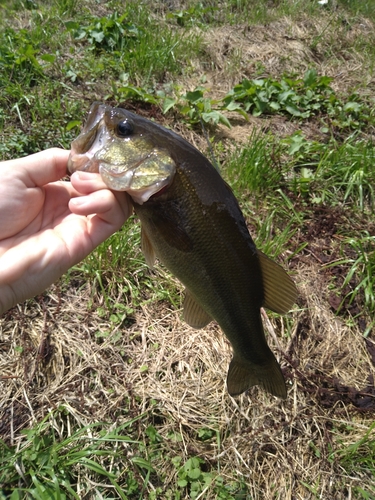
(43, 167)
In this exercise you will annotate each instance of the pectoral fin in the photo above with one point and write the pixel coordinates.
(194, 314)
(280, 292)
(243, 375)
(147, 249)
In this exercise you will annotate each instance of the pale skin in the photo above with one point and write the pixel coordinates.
(48, 225)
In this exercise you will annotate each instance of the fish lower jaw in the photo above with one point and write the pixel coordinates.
(118, 181)
(125, 181)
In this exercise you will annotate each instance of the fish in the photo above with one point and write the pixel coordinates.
(192, 223)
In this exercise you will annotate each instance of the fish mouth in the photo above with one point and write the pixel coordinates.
(84, 147)
(81, 161)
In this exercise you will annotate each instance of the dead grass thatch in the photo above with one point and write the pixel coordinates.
(182, 371)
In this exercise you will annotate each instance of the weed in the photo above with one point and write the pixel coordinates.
(353, 171)
(358, 7)
(106, 33)
(300, 98)
(195, 15)
(194, 108)
(67, 7)
(362, 269)
(360, 455)
(18, 58)
(193, 478)
(332, 171)
(132, 93)
(51, 458)
(137, 46)
(256, 167)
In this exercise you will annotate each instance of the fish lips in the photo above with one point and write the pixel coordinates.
(81, 152)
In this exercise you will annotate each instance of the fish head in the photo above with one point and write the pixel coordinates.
(121, 147)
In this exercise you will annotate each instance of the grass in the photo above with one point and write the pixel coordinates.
(138, 45)
(255, 167)
(105, 392)
(335, 172)
(55, 454)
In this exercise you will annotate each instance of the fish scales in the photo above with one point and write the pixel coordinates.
(213, 255)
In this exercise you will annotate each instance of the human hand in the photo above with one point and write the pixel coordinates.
(47, 225)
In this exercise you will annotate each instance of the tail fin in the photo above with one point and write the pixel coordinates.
(242, 375)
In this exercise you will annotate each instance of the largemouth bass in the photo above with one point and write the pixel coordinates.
(192, 223)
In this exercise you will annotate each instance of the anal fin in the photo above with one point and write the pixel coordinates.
(194, 314)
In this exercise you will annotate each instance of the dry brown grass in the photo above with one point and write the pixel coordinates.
(290, 46)
(275, 446)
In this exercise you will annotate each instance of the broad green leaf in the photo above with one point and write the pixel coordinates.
(168, 104)
(224, 120)
(259, 83)
(275, 106)
(293, 110)
(194, 473)
(353, 106)
(194, 96)
(310, 77)
(233, 106)
(71, 25)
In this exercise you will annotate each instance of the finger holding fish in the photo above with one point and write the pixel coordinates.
(95, 198)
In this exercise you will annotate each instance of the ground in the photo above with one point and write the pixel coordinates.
(63, 350)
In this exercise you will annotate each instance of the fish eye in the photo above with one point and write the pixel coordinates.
(124, 128)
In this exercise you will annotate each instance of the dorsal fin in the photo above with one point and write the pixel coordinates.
(280, 292)
(194, 314)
